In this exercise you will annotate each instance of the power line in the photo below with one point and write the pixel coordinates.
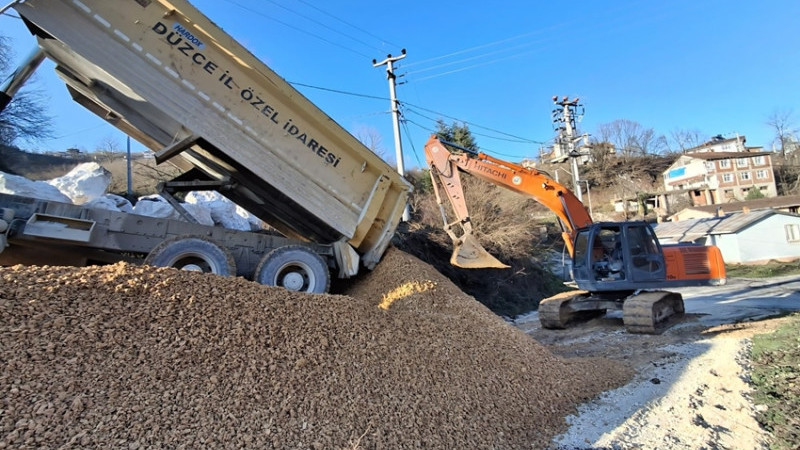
(404, 106)
(608, 27)
(486, 63)
(411, 142)
(477, 47)
(522, 139)
(348, 23)
(324, 25)
(354, 94)
(297, 28)
(518, 141)
(471, 58)
(514, 138)
(482, 147)
(79, 131)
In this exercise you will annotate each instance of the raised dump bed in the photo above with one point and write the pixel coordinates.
(166, 75)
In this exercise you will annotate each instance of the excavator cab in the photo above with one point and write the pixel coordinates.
(617, 256)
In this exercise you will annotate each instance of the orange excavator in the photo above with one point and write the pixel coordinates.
(615, 265)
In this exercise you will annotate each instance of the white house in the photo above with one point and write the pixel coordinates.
(746, 237)
(785, 203)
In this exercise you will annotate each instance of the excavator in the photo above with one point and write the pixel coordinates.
(615, 265)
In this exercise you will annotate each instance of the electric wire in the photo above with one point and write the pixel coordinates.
(621, 21)
(481, 147)
(337, 91)
(411, 142)
(347, 23)
(324, 25)
(523, 139)
(298, 29)
(477, 47)
(510, 137)
(472, 58)
(517, 141)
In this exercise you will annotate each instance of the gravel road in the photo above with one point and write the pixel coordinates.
(690, 388)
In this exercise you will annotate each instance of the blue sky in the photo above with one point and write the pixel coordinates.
(717, 66)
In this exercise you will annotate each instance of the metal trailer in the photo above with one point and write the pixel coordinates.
(170, 78)
(44, 232)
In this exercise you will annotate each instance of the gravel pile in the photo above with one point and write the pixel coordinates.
(134, 357)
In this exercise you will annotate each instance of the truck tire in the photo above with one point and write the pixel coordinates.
(294, 267)
(192, 253)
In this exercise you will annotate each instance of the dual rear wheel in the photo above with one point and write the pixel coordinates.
(294, 267)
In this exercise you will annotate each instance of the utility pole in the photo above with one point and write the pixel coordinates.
(566, 116)
(398, 146)
(130, 179)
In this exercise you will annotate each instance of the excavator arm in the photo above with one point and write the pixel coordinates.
(446, 160)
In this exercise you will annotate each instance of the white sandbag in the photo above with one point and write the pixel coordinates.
(17, 185)
(224, 212)
(111, 202)
(156, 206)
(86, 182)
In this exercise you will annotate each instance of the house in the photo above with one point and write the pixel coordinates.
(785, 203)
(719, 144)
(720, 171)
(746, 237)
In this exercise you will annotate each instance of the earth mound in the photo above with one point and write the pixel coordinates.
(125, 356)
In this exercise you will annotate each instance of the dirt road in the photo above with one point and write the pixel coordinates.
(690, 390)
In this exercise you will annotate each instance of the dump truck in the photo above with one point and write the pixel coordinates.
(167, 76)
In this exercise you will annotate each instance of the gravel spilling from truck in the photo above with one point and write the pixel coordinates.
(125, 356)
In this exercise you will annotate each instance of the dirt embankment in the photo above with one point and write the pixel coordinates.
(132, 357)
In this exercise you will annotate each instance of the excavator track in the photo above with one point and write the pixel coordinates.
(555, 311)
(651, 312)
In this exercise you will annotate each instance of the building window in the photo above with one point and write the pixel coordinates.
(758, 161)
(761, 174)
(744, 176)
(792, 232)
(727, 177)
(728, 193)
(724, 164)
(741, 162)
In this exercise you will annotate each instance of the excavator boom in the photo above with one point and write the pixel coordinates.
(445, 165)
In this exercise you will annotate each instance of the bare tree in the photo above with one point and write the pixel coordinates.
(630, 138)
(681, 139)
(602, 154)
(25, 118)
(371, 138)
(108, 149)
(782, 123)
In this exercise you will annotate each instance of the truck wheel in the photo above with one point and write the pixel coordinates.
(295, 268)
(192, 253)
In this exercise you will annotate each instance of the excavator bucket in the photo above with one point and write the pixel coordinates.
(468, 253)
